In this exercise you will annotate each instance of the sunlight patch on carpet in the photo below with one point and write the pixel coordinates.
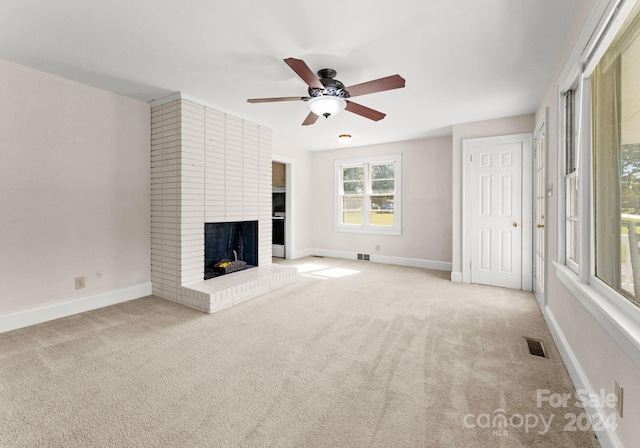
(309, 267)
(336, 272)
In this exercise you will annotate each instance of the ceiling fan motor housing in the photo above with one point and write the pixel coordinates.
(332, 87)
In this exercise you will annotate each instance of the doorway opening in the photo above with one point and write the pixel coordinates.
(540, 190)
(281, 206)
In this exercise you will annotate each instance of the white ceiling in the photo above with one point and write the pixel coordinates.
(463, 60)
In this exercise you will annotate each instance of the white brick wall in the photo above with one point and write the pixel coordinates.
(206, 166)
(165, 153)
(192, 175)
(264, 195)
(215, 162)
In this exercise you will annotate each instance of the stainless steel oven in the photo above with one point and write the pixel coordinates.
(278, 230)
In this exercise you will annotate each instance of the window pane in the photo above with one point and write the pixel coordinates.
(574, 242)
(631, 179)
(382, 211)
(353, 210)
(574, 203)
(383, 178)
(353, 180)
(573, 226)
(382, 186)
(353, 187)
(616, 137)
(353, 173)
(385, 171)
(571, 128)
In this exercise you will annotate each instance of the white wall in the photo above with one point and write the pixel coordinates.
(489, 128)
(597, 356)
(74, 189)
(426, 203)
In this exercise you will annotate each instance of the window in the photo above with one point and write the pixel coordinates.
(616, 161)
(599, 182)
(369, 195)
(572, 185)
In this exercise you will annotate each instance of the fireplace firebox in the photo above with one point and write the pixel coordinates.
(229, 247)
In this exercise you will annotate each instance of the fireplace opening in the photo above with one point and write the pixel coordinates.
(229, 247)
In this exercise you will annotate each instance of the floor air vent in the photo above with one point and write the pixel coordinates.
(535, 347)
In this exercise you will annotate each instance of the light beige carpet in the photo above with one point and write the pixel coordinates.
(355, 354)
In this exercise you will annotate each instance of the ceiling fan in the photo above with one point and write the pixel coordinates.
(328, 96)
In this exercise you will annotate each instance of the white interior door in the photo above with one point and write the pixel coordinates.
(495, 193)
(540, 182)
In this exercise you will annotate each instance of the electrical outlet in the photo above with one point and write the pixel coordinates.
(377, 248)
(79, 282)
(619, 398)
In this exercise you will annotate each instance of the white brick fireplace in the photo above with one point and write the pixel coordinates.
(207, 166)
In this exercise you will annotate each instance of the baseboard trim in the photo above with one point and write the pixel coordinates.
(302, 254)
(400, 261)
(32, 316)
(606, 436)
(456, 277)
(540, 299)
(334, 254)
(413, 262)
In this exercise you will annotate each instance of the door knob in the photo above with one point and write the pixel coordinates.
(515, 224)
(539, 226)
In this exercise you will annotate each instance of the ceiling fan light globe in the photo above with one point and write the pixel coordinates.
(324, 106)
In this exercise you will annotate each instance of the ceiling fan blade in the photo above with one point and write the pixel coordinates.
(311, 119)
(304, 72)
(364, 111)
(377, 85)
(274, 100)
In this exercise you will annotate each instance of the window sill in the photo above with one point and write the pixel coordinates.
(619, 317)
(368, 230)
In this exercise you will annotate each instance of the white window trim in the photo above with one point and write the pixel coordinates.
(617, 314)
(397, 208)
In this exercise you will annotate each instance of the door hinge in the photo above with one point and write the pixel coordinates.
(470, 157)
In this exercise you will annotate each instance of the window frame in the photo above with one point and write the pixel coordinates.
(572, 143)
(618, 315)
(367, 227)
